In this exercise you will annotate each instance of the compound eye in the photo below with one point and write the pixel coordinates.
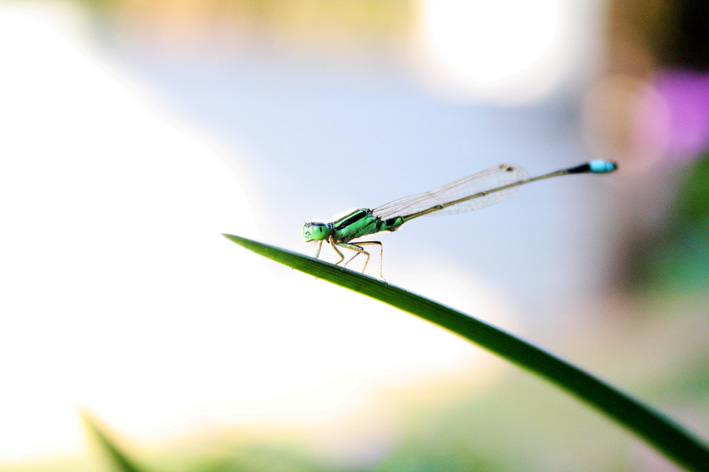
(319, 231)
(315, 231)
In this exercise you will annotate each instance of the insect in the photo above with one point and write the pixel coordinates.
(469, 193)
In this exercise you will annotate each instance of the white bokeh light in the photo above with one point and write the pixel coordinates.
(508, 51)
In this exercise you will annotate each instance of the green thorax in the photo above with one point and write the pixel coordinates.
(361, 223)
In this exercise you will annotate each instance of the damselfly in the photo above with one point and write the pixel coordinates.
(469, 193)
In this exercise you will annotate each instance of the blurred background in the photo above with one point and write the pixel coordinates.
(133, 133)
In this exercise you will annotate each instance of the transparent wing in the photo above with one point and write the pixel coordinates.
(492, 178)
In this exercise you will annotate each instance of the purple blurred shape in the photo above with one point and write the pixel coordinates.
(686, 96)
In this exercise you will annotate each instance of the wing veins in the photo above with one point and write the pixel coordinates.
(489, 179)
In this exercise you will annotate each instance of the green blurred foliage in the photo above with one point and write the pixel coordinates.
(678, 258)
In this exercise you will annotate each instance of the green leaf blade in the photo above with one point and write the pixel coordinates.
(658, 430)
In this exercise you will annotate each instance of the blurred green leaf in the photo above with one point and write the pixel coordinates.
(692, 205)
(676, 256)
(121, 461)
(658, 430)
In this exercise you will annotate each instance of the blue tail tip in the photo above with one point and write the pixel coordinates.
(600, 166)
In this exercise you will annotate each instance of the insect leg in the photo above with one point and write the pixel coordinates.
(334, 246)
(381, 256)
(359, 250)
(317, 253)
